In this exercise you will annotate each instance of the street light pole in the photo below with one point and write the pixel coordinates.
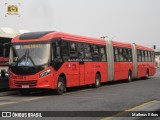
(103, 37)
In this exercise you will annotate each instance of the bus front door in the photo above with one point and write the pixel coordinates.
(81, 73)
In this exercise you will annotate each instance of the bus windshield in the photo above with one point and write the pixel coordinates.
(31, 54)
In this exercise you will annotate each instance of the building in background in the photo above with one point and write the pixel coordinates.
(6, 34)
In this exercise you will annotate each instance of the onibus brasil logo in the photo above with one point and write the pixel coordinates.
(12, 9)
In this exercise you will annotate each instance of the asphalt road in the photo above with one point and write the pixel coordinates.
(117, 96)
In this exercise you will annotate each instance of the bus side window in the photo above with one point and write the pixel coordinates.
(120, 54)
(65, 51)
(58, 55)
(73, 50)
(53, 51)
(116, 57)
(149, 56)
(56, 51)
(129, 55)
(87, 51)
(146, 56)
(103, 54)
(139, 58)
(95, 53)
(124, 54)
(80, 50)
(143, 56)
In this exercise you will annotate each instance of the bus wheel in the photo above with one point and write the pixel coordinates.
(97, 81)
(61, 87)
(147, 74)
(129, 76)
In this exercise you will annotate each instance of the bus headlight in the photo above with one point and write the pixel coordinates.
(9, 75)
(6, 74)
(47, 72)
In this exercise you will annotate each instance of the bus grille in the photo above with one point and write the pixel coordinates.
(30, 83)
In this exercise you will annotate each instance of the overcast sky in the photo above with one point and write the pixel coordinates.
(135, 21)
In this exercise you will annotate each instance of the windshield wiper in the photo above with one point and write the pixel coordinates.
(23, 57)
(26, 58)
(29, 57)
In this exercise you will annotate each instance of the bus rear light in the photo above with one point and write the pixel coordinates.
(47, 72)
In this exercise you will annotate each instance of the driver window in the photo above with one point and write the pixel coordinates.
(55, 50)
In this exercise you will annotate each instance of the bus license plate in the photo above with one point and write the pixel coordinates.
(25, 86)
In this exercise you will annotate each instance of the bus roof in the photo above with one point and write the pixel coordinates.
(140, 47)
(48, 35)
(121, 44)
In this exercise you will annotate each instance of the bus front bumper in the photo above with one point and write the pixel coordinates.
(46, 82)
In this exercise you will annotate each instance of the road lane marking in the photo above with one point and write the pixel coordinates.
(130, 109)
(24, 100)
(86, 97)
(7, 103)
(142, 105)
(101, 93)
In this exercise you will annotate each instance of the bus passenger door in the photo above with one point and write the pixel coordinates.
(80, 48)
(81, 73)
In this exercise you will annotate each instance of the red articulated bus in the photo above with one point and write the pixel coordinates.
(144, 61)
(119, 60)
(56, 60)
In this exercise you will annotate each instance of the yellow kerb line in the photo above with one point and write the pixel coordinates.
(131, 109)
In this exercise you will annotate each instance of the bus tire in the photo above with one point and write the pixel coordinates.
(97, 81)
(147, 74)
(61, 86)
(129, 76)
